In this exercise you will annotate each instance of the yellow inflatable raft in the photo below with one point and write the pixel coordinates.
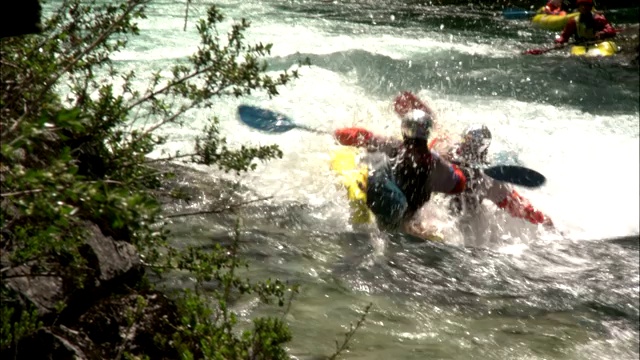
(552, 22)
(605, 48)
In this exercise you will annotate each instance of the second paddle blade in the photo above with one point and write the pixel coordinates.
(517, 175)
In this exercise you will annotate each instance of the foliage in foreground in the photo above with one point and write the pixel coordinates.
(76, 134)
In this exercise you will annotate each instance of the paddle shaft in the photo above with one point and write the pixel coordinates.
(513, 174)
(313, 130)
(272, 122)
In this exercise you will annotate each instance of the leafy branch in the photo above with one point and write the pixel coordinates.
(348, 336)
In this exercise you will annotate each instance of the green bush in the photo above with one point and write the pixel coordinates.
(75, 149)
(78, 157)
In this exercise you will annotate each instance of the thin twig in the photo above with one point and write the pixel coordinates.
(186, 15)
(31, 275)
(170, 158)
(233, 254)
(349, 335)
(286, 311)
(21, 193)
(132, 319)
(25, 192)
(217, 211)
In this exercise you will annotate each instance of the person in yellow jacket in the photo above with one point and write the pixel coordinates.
(588, 26)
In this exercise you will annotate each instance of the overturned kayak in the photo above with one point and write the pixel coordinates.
(353, 177)
(604, 48)
(552, 22)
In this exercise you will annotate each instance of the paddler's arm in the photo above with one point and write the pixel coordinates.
(607, 30)
(445, 177)
(567, 32)
(441, 145)
(354, 136)
(363, 138)
(517, 206)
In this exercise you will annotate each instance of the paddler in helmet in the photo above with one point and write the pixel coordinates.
(588, 26)
(471, 154)
(398, 188)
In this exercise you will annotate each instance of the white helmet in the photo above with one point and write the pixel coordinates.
(416, 125)
(476, 140)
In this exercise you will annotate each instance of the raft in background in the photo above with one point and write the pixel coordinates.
(552, 22)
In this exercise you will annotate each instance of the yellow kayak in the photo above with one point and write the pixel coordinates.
(605, 48)
(353, 177)
(552, 22)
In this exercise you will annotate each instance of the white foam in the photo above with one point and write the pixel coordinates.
(591, 162)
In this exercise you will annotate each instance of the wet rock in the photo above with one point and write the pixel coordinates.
(104, 318)
(42, 291)
(110, 328)
(129, 323)
(109, 257)
(47, 345)
(108, 260)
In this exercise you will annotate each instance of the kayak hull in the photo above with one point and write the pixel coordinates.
(353, 177)
(605, 48)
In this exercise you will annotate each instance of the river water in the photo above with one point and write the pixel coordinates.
(518, 292)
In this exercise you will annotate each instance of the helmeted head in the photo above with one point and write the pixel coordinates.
(475, 143)
(584, 6)
(416, 125)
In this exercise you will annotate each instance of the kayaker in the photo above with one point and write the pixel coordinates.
(588, 26)
(471, 154)
(398, 188)
(554, 7)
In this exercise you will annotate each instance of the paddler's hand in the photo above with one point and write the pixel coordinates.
(599, 35)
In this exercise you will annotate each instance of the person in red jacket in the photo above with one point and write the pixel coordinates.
(471, 153)
(554, 7)
(587, 26)
(399, 187)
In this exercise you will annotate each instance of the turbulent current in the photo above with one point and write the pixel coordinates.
(510, 291)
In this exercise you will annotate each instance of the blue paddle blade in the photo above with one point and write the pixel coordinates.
(265, 120)
(517, 175)
(516, 14)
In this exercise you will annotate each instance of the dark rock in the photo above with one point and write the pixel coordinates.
(110, 328)
(47, 345)
(40, 290)
(109, 259)
(103, 318)
(130, 323)
(112, 258)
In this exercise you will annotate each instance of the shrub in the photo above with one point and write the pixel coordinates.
(75, 148)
